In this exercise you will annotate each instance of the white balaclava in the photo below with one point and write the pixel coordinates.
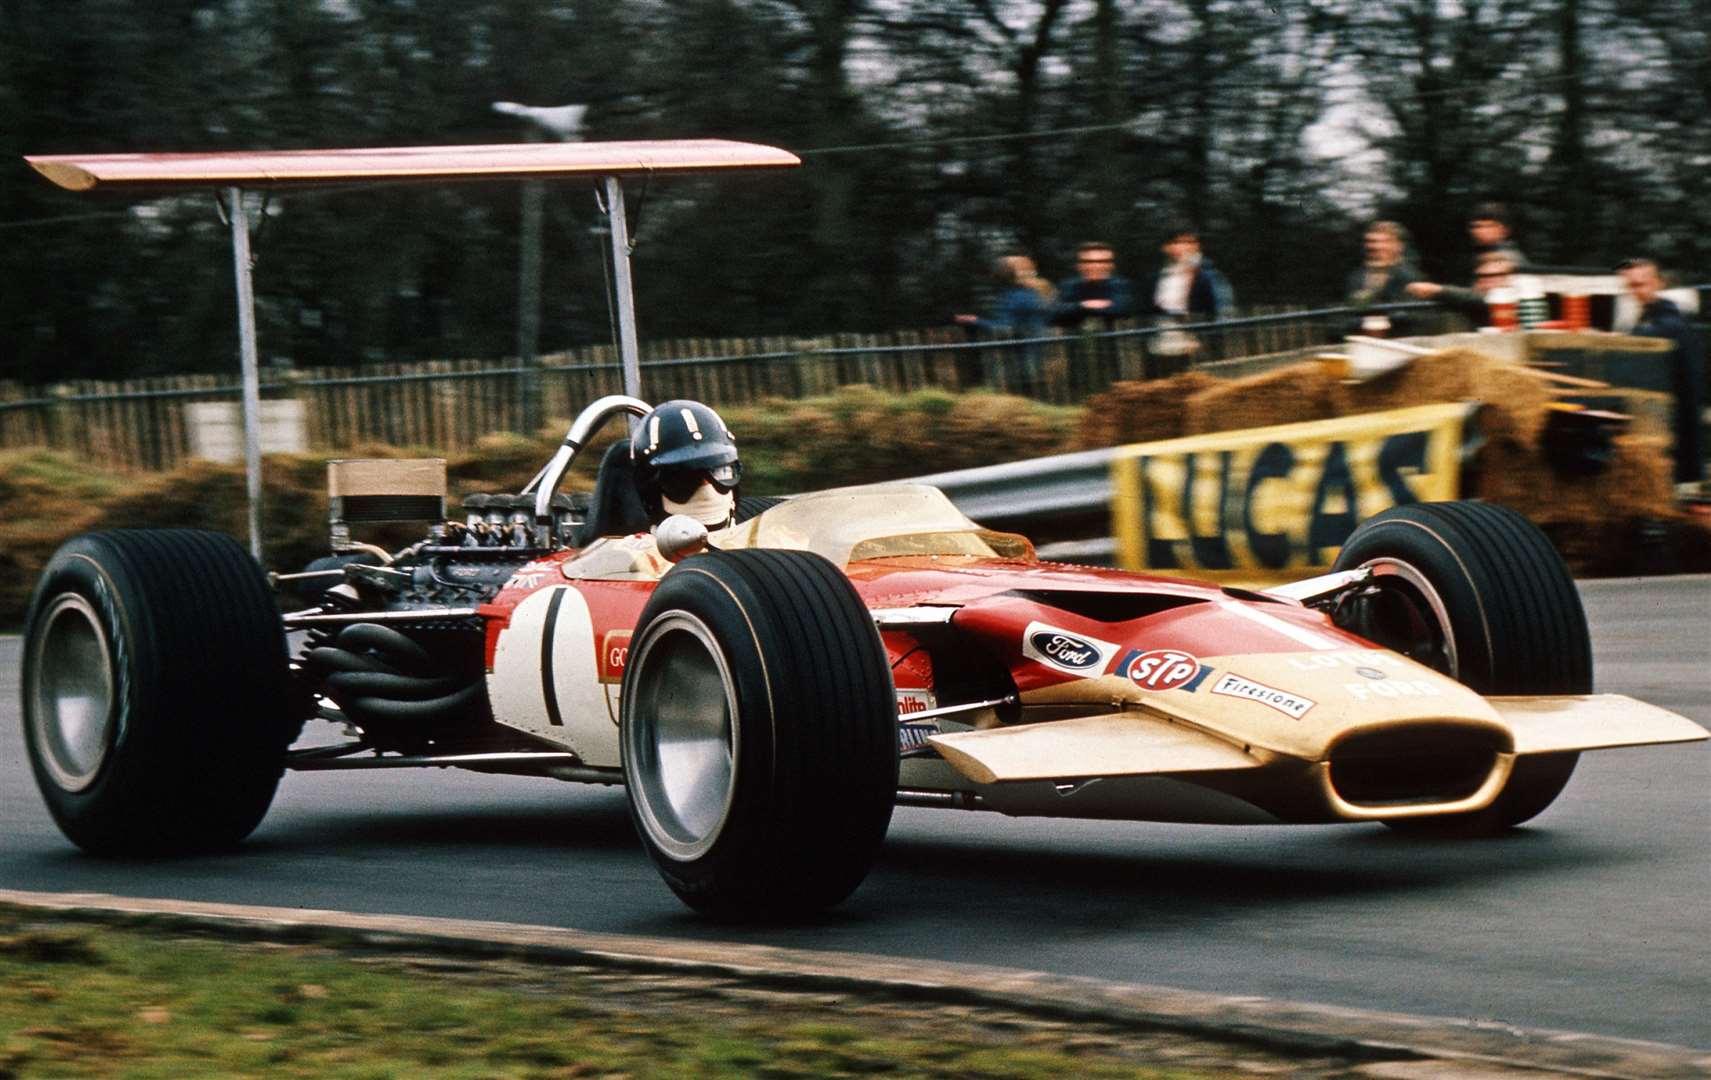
(708, 505)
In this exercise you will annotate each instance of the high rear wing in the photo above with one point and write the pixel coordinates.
(233, 172)
(505, 161)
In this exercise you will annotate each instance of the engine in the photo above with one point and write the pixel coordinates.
(390, 643)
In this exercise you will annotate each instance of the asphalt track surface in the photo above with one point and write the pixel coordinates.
(1596, 918)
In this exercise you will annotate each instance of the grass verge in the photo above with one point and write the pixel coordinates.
(102, 1001)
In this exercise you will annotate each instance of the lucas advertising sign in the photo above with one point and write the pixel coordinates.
(1277, 501)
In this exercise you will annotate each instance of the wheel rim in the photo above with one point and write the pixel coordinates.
(71, 693)
(1401, 609)
(680, 736)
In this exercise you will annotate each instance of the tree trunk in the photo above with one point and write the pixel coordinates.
(1571, 139)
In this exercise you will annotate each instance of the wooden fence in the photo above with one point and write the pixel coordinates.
(449, 404)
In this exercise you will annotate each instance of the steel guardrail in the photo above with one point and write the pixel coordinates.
(1019, 496)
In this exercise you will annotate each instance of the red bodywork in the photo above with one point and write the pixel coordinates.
(997, 600)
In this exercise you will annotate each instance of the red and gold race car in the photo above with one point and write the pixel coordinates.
(767, 693)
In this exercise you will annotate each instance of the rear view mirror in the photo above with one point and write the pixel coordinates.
(680, 536)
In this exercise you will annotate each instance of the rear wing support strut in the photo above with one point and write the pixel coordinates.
(629, 354)
(244, 267)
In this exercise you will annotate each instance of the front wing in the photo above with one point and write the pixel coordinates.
(1447, 765)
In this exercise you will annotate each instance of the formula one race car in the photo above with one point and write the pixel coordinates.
(768, 693)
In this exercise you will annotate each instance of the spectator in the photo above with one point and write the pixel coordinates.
(1023, 304)
(1495, 271)
(1488, 226)
(1096, 290)
(1021, 308)
(1189, 287)
(1659, 317)
(1383, 279)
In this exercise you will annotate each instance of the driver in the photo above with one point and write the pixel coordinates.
(686, 463)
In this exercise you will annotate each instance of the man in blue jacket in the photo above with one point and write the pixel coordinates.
(1660, 317)
(1095, 290)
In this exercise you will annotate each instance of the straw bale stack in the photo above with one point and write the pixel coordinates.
(1623, 519)
(1288, 395)
(1133, 412)
(1515, 396)
(1439, 376)
(1637, 484)
(1601, 524)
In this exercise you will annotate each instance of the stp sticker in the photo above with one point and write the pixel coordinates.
(1066, 651)
(1163, 669)
(1291, 705)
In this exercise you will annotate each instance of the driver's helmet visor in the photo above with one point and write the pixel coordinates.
(680, 484)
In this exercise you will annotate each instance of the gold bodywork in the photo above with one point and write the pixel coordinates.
(295, 168)
(1543, 725)
(1281, 754)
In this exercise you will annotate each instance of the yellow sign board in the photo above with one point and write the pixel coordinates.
(1277, 502)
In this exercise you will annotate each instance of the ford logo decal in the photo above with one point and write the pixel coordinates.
(1066, 649)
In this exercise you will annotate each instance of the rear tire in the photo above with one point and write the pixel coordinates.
(1476, 591)
(750, 505)
(156, 694)
(759, 734)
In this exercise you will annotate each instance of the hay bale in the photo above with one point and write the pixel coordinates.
(981, 429)
(1641, 479)
(1288, 395)
(1600, 524)
(1132, 412)
(1439, 376)
(1515, 396)
(1636, 485)
(1515, 401)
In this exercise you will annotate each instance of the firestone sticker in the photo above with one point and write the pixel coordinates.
(1163, 669)
(1292, 705)
(1066, 651)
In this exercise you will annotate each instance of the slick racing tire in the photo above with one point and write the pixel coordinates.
(1477, 592)
(750, 505)
(156, 695)
(759, 734)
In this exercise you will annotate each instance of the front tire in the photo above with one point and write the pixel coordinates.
(1477, 592)
(156, 693)
(759, 734)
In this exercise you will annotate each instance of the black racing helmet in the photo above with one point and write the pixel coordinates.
(675, 446)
